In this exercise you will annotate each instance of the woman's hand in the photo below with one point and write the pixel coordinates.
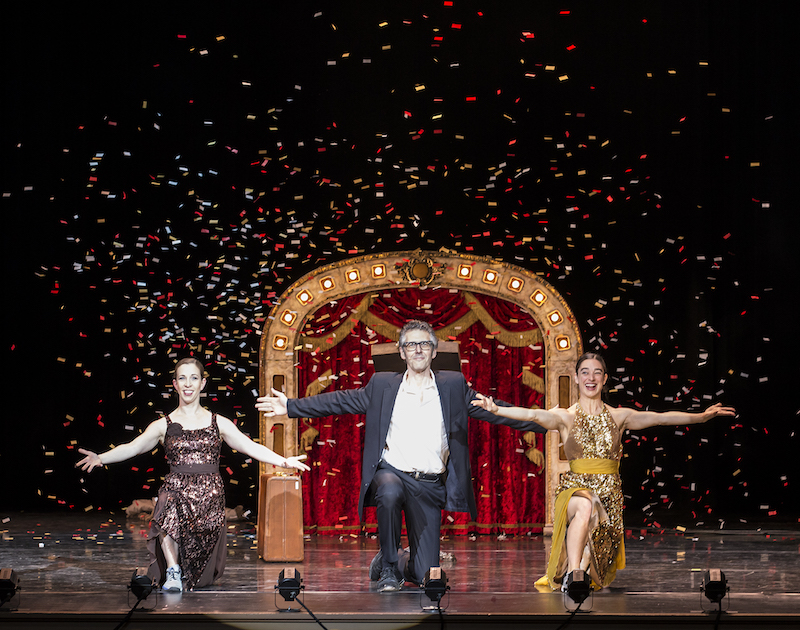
(718, 410)
(485, 402)
(90, 462)
(296, 462)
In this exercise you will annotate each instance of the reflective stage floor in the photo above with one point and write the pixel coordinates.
(74, 571)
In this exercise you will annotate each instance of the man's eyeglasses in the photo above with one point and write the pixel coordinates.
(414, 345)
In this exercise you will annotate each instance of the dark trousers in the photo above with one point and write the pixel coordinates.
(422, 502)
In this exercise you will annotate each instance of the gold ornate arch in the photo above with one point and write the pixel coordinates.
(281, 338)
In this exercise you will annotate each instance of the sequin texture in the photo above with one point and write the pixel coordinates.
(191, 505)
(597, 437)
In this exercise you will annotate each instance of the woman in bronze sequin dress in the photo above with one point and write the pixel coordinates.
(588, 532)
(187, 533)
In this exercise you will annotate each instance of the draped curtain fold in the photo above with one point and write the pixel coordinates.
(501, 355)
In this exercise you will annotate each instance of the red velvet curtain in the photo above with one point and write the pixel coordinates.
(503, 360)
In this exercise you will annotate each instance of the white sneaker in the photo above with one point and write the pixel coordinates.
(173, 582)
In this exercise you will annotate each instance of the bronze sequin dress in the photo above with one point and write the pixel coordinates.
(191, 506)
(593, 448)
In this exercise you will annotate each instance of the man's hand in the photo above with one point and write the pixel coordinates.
(275, 405)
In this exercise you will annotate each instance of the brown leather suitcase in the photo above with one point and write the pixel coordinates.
(280, 518)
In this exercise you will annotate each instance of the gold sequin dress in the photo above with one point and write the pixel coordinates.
(594, 449)
(191, 506)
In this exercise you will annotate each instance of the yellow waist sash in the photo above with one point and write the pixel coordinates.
(594, 466)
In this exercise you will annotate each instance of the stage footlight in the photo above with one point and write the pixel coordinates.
(435, 583)
(289, 584)
(579, 586)
(9, 585)
(141, 584)
(715, 587)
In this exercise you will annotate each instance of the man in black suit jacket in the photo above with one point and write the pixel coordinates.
(416, 454)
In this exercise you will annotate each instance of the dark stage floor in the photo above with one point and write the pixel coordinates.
(74, 570)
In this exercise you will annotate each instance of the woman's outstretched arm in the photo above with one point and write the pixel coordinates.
(240, 442)
(637, 420)
(141, 444)
(546, 419)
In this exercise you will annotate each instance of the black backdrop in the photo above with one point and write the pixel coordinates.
(167, 172)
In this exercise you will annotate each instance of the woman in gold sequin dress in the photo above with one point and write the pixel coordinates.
(187, 533)
(588, 532)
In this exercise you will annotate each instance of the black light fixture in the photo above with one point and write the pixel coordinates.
(435, 584)
(715, 587)
(141, 584)
(9, 585)
(579, 586)
(289, 584)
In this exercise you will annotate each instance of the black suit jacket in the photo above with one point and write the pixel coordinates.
(376, 402)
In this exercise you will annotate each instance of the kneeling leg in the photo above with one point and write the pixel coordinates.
(582, 518)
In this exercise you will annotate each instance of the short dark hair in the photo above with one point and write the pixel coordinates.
(418, 324)
(586, 356)
(189, 361)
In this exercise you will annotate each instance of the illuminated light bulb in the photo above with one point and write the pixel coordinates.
(305, 297)
(288, 317)
(516, 284)
(538, 297)
(563, 343)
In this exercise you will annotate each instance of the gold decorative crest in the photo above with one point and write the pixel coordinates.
(419, 268)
